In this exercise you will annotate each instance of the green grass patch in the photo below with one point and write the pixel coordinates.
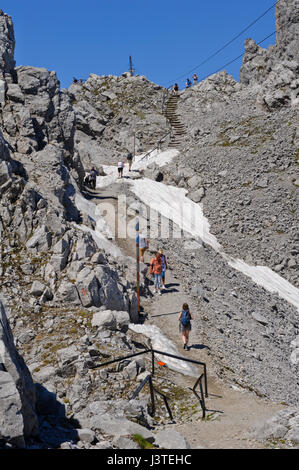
(142, 442)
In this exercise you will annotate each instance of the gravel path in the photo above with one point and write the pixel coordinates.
(232, 411)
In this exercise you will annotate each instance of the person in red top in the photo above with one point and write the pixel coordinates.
(156, 271)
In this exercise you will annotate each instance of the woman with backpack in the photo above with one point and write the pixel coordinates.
(156, 271)
(185, 318)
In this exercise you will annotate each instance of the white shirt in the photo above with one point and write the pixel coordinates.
(120, 165)
(142, 243)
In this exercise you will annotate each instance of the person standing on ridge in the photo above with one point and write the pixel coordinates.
(185, 317)
(188, 83)
(156, 270)
(176, 89)
(195, 78)
(164, 267)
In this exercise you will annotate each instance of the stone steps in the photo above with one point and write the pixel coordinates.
(178, 128)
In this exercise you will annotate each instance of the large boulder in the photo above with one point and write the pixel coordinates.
(18, 419)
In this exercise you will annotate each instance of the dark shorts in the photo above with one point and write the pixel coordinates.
(183, 328)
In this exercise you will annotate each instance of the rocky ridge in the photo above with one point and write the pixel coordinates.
(115, 115)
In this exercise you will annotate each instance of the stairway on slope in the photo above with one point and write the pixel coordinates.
(178, 128)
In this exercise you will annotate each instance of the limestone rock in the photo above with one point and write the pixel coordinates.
(18, 416)
(170, 439)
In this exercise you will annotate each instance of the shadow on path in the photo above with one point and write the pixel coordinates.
(199, 346)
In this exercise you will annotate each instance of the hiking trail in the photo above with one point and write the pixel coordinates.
(232, 411)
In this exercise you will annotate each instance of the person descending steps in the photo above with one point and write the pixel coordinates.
(185, 317)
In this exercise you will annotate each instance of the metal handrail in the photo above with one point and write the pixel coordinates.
(157, 146)
(153, 351)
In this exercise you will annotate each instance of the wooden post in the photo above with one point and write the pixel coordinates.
(137, 266)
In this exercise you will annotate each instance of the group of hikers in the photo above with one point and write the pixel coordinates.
(188, 84)
(91, 177)
(157, 269)
(158, 264)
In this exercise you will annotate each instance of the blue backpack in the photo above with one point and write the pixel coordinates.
(185, 318)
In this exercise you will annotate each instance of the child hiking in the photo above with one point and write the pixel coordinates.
(185, 318)
(164, 267)
(156, 271)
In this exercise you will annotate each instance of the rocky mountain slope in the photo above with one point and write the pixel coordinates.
(115, 115)
(68, 293)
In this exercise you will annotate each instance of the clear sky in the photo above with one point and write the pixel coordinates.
(166, 39)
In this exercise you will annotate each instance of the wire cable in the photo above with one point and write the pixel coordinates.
(239, 56)
(227, 44)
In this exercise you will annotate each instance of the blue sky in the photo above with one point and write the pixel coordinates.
(166, 39)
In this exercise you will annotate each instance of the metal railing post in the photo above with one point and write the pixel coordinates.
(152, 394)
(206, 381)
(137, 267)
(153, 361)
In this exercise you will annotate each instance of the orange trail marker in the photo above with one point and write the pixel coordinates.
(160, 363)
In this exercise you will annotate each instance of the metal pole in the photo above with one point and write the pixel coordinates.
(137, 266)
(152, 395)
(153, 361)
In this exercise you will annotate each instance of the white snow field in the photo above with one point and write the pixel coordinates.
(171, 202)
(140, 163)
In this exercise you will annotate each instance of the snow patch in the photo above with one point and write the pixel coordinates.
(162, 343)
(172, 203)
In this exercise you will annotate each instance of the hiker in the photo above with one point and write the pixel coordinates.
(143, 246)
(120, 168)
(164, 267)
(176, 89)
(185, 318)
(156, 270)
(195, 78)
(188, 83)
(130, 160)
(93, 177)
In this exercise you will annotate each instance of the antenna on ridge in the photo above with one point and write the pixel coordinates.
(131, 70)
